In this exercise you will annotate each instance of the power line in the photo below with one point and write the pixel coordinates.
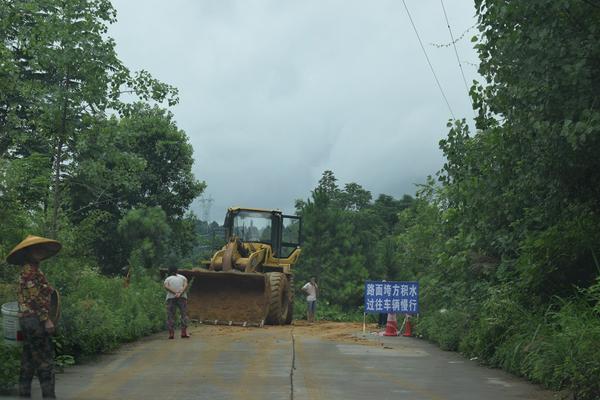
(428, 61)
(458, 39)
(462, 72)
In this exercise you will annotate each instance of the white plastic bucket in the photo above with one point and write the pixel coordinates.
(10, 323)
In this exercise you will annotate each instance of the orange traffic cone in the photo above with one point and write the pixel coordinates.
(407, 327)
(391, 327)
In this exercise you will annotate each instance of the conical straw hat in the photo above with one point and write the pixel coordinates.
(48, 247)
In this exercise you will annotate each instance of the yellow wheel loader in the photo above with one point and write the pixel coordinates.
(249, 281)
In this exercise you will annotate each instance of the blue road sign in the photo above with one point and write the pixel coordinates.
(392, 297)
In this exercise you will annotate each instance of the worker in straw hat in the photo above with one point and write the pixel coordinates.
(34, 306)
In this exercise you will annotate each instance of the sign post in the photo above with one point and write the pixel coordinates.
(364, 322)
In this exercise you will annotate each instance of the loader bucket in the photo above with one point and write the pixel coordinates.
(230, 298)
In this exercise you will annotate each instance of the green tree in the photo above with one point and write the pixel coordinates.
(347, 239)
(531, 168)
(142, 159)
(147, 233)
(167, 180)
(58, 68)
(354, 197)
(509, 236)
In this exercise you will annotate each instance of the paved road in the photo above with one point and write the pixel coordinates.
(324, 361)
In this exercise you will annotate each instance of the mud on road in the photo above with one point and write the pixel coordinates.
(321, 361)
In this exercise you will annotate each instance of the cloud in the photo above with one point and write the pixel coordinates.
(275, 92)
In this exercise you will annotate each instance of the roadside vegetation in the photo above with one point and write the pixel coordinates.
(110, 179)
(505, 239)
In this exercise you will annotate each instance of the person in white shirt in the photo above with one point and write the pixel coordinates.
(176, 286)
(312, 291)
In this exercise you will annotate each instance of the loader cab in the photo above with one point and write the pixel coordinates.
(272, 227)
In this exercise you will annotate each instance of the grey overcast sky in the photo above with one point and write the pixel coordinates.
(274, 92)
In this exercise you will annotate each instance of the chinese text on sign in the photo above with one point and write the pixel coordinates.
(392, 297)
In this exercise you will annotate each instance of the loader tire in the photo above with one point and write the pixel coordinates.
(290, 313)
(279, 298)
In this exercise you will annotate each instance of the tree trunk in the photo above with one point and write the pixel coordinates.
(58, 161)
(56, 198)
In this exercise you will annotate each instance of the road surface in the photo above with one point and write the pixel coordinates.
(322, 361)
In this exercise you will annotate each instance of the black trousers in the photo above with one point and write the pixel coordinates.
(37, 357)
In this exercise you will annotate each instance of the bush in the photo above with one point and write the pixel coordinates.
(7, 292)
(98, 313)
(445, 327)
(328, 312)
(495, 320)
(10, 362)
(101, 313)
(565, 352)
(557, 347)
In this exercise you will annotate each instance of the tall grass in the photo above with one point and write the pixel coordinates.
(558, 346)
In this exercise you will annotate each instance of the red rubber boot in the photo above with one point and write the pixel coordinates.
(184, 334)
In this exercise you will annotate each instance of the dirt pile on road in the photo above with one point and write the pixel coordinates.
(347, 332)
(335, 331)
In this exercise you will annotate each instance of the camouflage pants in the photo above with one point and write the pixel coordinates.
(37, 357)
(172, 305)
